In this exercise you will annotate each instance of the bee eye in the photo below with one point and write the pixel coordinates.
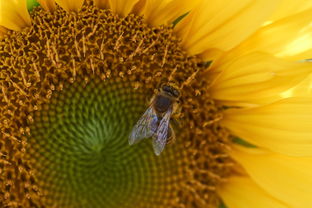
(166, 88)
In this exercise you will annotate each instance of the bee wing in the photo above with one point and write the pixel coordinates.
(161, 136)
(145, 127)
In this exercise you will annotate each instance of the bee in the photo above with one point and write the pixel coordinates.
(155, 122)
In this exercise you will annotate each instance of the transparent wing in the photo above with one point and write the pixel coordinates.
(161, 136)
(145, 127)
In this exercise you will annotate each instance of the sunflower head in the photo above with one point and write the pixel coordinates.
(77, 76)
(74, 85)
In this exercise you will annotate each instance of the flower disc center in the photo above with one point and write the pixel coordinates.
(80, 152)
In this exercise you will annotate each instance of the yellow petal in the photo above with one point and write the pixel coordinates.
(157, 12)
(288, 179)
(3, 30)
(256, 78)
(70, 5)
(48, 5)
(290, 7)
(303, 89)
(211, 54)
(222, 24)
(122, 7)
(102, 4)
(242, 192)
(284, 126)
(290, 37)
(14, 14)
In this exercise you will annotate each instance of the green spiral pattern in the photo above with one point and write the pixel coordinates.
(79, 150)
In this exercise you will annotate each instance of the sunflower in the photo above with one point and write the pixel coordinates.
(75, 77)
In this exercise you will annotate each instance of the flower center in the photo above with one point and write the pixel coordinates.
(79, 150)
(74, 85)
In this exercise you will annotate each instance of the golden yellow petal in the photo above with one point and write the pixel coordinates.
(290, 37)
(48, 5)
(102, 4)
(283, 126)
(157, 12)
(303, 89)
(211, 54)
(256, 78)
(288, 179)
(3, 30)
(242, 192)
(290, 7)
(70, 5)
(222, 24)
(122, 7)
(14, 14)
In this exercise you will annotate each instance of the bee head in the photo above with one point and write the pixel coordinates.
(170, 90)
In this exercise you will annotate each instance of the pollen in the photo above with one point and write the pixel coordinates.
(73, 85)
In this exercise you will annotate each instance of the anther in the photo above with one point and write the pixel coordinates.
(17, 87)
(121, 74)
(134, 37)
(56, 54)
(171, 76)
(30, 118)
(190, 79)
(133, 68)
(151, 45)
(152, 57)
(101, 49)
(84, 45)
(93, 31)
(11, 48)
(207, 123)
(92, 66)
(4, 95)
(77, 48)
(27, 84)
(136, 51)
(165, 56)
(49, 55)
(37, 73)
(11, 137)
(117, 44)
(74, 68)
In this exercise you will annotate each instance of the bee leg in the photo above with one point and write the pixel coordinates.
(171, 135)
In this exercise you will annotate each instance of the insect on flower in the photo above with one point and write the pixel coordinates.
(155, 122)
